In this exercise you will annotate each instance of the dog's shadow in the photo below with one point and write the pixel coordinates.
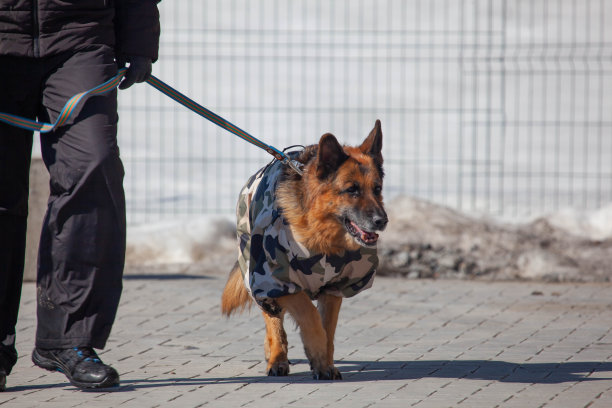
(366, 371)
(491, 370)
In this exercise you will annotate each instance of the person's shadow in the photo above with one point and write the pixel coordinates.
(358, 371)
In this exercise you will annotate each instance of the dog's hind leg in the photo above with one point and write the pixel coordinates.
(313, 334)
(275, 345)
(329, 307)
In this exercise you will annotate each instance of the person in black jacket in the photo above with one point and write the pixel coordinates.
(49, 51)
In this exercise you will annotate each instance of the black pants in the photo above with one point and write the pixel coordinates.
(82, 242)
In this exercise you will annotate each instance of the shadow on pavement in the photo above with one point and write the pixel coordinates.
(491, 370)
(363, 371)
(358, 371)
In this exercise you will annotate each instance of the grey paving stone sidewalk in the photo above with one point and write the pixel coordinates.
(401, 344)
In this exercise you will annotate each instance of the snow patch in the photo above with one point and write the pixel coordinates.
(426, 240)
(422, 240)
(181, 241)
(595, 225)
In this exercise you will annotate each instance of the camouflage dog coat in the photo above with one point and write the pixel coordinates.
(274, 264)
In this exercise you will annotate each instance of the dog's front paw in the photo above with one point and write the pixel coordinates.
(280, 369)
(331, 373)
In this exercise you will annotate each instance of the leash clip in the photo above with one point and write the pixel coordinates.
(295, 165)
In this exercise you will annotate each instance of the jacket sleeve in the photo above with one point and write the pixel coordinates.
(137, 28)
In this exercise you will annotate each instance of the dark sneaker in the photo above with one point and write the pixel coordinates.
(81, 365)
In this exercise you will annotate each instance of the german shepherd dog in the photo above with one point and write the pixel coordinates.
(306, 237)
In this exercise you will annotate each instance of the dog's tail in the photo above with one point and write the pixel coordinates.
(235, 297)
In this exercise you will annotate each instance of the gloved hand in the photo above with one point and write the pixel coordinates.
(138, 71)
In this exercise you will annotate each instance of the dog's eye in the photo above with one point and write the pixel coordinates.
(377, 190)
(354, 189)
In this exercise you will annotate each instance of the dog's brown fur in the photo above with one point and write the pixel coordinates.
(338, 183)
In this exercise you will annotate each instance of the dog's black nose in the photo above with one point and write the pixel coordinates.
(380, 221)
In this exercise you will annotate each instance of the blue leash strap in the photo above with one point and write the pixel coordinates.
(70, 108)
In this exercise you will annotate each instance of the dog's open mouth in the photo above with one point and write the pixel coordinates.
(366, 238)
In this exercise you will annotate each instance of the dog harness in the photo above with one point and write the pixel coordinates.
(274, 264)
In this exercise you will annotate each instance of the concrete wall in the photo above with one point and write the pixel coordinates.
(39, 194)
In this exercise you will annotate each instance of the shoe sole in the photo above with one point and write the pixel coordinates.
(54, 365)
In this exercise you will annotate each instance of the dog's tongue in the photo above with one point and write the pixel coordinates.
(366, 236)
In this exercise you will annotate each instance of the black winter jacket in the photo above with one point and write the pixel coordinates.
(40, 28)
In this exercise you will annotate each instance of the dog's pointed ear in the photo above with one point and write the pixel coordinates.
(331, 156)
(372, 145)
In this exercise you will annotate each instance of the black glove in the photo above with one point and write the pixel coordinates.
(138, 71)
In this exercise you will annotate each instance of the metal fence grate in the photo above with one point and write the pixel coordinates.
(501, 107)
